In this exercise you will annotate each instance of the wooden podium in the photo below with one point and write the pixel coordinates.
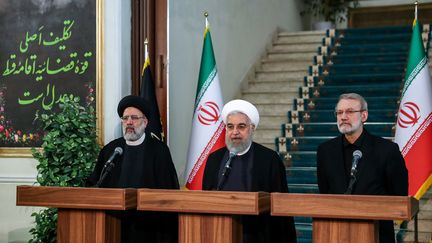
(344, 218)
(206, 216)
(82, 212)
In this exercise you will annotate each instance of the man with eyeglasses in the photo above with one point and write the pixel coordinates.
(144, 162)
(243, 165)
(357, 162)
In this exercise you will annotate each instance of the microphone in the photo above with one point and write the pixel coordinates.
(226, 170)
(109, 165)
(117, 151)
(357, 154)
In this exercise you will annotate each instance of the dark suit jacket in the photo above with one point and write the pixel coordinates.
(381, 171)
(268, 174)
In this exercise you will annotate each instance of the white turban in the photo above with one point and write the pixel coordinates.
(242, 106)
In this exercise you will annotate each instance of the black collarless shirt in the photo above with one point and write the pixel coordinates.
(348, 149)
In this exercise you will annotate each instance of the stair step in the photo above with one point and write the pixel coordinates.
(374, 101)
(279, 98)
(304, 232)
(348, 79)
(423, 225)
(375, 90)
(375, 115)
(358, 58)
(277, 87)
(285, 65)
(274, 109)
(296, 47)
(387, 30)
(369, 68)
(383, 129)
(301, 175)
(426, 203)
(425, 214)
(302, 33)
(303, 188)
(299, 158)
(378, 38)
(270, 121)
(423, 237)
(372, 48)
(271, 145)
(307, 39)
(268, 141)
(305, 56)
(280, 75)
(301, 143)
(266, 134)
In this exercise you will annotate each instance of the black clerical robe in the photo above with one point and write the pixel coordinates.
(267, 173)
(148, 165)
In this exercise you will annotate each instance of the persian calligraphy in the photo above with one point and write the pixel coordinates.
(32, 66)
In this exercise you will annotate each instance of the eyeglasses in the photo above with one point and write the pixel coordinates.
(240, 127)
(348, 112)
(133, 117)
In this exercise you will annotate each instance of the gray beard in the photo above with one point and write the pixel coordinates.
(350, 130)
(134, 136)
(237, 148)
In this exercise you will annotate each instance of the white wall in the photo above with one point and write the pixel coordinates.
(16, 221)
(240, 30)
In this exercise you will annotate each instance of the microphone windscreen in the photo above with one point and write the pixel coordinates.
(357, 153)
(118, 150)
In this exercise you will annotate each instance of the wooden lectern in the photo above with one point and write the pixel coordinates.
(82, 212)
(206, 216)
(344, 218)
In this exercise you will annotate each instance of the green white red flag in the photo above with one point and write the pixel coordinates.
(208, 129)
(413, 128)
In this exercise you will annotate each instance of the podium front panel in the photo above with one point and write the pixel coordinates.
(212, 202)
(76, 197)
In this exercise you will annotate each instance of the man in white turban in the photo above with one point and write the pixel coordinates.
(243, 165)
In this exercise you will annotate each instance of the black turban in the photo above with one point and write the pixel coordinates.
(133, 101)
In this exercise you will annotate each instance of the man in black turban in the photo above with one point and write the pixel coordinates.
(144, 163)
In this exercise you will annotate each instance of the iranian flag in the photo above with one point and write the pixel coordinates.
(413, 128)
(208, 130)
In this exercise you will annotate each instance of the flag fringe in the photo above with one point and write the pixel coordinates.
(424, 188)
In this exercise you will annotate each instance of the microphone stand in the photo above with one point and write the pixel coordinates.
(353, 179)
(105, 171)
(351, 184)
(225, 173)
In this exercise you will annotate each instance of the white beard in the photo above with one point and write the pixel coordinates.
(135, 135)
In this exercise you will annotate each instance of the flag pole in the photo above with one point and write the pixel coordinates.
(206, 20)
(146, 57)
(145, 49)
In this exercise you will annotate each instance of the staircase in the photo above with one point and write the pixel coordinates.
(304, 73)
(277, 78)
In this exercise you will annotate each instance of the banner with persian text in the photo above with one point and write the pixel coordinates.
(47, 52)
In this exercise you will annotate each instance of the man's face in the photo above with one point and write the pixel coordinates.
(350, 116)
(134, 123)
(239, 132)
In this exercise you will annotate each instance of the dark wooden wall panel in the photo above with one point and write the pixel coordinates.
(389, 15)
